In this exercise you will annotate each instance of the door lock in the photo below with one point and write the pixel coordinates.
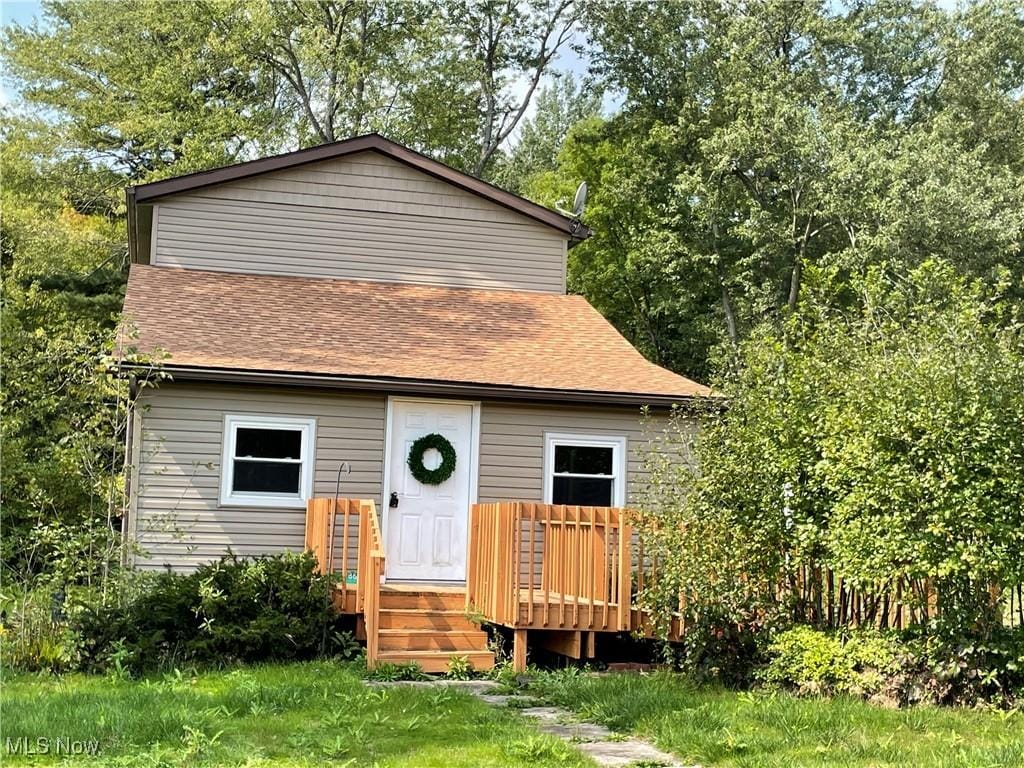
(393, 501)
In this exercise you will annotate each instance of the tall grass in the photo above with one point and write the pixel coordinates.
(717, 727)
(290, 715)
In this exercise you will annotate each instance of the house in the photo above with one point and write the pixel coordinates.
(373, 356)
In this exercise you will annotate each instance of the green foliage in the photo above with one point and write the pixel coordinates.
(559, 107)
(234, 610)
(755, 141)
(31, 638)
(711, 725)
(718, 649)
(885, 443)
(155, 89)
(505, 675)
(898, 668)
(460, 668)
(144, 85)
(971, 670)
(300, 714)
(540, 748)
(812, 661)
(388, 672)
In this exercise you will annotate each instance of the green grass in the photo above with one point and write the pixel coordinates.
(716, 727)
(287, 715)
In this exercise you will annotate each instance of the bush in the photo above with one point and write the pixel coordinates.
(883, 443)
(811, 661)
(234, 610)
(32, 638)
(898, 668)
(716, 649)
(970, 670)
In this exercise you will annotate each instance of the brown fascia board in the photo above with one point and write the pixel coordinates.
(419, 386)
(133, 230)
(368, 142)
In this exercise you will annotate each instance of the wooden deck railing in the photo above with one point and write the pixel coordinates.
(548, 566)
(371, 571)
(345, 536)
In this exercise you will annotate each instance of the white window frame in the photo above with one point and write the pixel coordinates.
(232, 423)
(618, 477)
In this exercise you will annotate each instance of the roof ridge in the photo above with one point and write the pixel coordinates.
(357, 281)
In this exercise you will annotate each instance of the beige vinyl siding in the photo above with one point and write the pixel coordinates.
(363, 217)
(512, 437)
(178, 520)
(512, 444)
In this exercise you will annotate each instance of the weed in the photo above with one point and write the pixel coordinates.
(460, 668)
(536, 747)
(390, 673)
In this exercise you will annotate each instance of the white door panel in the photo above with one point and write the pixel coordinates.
(427, 532)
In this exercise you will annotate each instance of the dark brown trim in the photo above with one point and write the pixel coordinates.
(376, 143)
(421, 387)
(133, 227)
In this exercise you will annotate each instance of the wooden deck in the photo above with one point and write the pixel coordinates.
(555, 575)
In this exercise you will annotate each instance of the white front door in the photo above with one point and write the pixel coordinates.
(427, 531)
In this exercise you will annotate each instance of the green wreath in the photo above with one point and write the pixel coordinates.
(415, 461)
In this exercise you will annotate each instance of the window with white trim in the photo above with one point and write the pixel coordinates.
(268, 461)
(588, 470)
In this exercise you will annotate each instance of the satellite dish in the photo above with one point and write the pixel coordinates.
(580, 200)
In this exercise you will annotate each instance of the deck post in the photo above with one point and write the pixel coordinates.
(519, 650)
(625, 596)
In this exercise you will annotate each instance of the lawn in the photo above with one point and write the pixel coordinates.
(715, 727)
(316, 713)
(288, 715)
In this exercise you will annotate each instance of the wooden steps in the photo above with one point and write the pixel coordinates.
(436, 662)
(429, 627)
(431, 640)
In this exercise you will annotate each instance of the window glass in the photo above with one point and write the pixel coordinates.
(268, 443)
(584, 459)
(266, 477)
(583, 491)
(268, 461)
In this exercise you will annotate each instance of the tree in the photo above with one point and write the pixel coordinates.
(884, 442)
(560, 106)
(764, 139)
(341, 69)
(62, 288)
(151, 86)
(508, 43)
(140, 87)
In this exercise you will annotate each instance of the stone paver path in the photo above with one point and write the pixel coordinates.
(597, 742)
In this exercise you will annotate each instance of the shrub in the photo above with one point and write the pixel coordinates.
(970, 670)
(899, 668)
(810, 661)
(233, 610)
(717, 649)
(31, 638)
(883, 442)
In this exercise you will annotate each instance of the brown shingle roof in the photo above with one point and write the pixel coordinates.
(346, 328)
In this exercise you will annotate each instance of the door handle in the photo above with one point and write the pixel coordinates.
(393, 501)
